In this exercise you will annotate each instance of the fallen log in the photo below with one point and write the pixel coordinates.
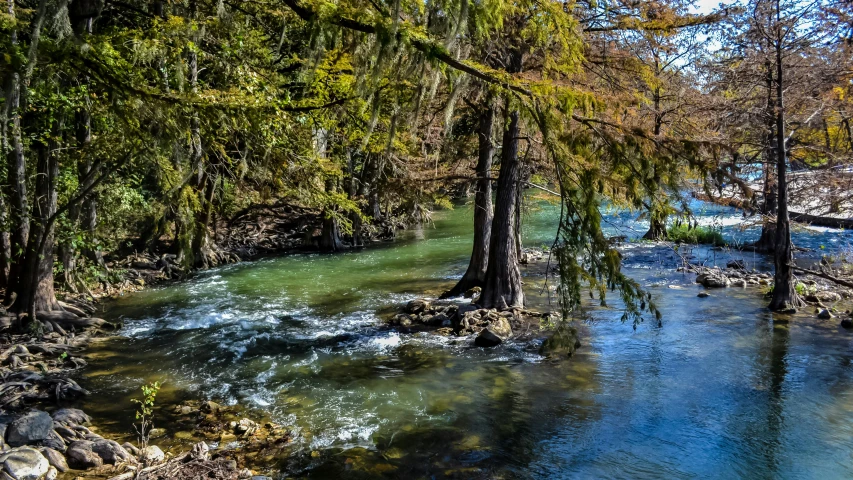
(831, 278)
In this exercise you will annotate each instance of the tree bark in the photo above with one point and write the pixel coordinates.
(475, 275)
(502, 288)
(657, 227)
(784, 292)
(767, 241)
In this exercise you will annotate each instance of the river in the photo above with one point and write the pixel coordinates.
(719, 391)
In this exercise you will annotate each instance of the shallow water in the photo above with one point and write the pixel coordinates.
(721, 390)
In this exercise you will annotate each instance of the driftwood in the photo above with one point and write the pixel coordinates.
(831, 278)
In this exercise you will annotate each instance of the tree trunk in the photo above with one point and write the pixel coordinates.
(657, 227)
(17, 182)
(5, 245)
(502, 287)
(784, 292)
(475, 276)
(201, 247)
(330, 238)
(767, 241)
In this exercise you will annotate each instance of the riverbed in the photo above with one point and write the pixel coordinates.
(722, 389)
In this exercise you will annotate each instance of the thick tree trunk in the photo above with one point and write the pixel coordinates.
(657, 227)
(502, 288)
(475, 275)
(330, 237)
(767, 241)
(203, 256)
(35, 286)
(784, 292)
(19, 209)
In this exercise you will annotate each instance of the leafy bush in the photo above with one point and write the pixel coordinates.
(695, 235)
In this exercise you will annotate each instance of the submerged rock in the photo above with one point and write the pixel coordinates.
(24, 463)
(496, 332)
(847, 323)
(563, 343)
(825, 314)
(703, 295)
(31, 428)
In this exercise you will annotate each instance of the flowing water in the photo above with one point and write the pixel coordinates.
(721, 390)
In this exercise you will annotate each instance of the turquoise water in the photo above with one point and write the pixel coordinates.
(722, 390)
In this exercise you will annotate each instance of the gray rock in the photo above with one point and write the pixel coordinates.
(152, 455)
(715, 281)
(54, 458)
(54, 441)
(130, 448)
(825, 314)
(24, 463)
(28, 429)
(472, 292)
(823, 297)
(739, 283)
(497, 332)
(847, 323)
(111, 452)
(65, 432)
(703, 295)
(417, 306)
(71, 416)
(81, 457)
(52, 473)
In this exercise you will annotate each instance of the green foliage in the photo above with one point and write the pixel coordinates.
(698, 234)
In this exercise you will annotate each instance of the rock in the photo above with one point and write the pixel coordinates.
(823, 296)
(71, 416)
(715, 281)
(703, 295)
(472, 292)
(130, 448)
(24, 463)
(157, 432)
(245, 474)
(81, 457)
(28, 429)
(402, 319)
(54, 458)
(417, 306)
(438, 320)
(152, 455)
(111, 452)
(54, 441)
(738, 283)
(210, 407)
(497, 332)
(847, 323)
(736, 265)
(825, 314)
(200, 451)
(245, 427)
(52, 473)
(562, 343)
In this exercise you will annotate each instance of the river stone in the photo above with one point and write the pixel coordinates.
(54, 441)
(152, 454)
(81, 457)
(31, 428)
(52, 473)
(130, 448)
(417, 306)
(562, 343)
(71, 416)
(825, 314)
(497, 332)
(65, 432)
(472, 292)
(210, 407)
(245, 427)
(715, 281)
(847, 323)
(54, 458)
(703, 295)
(823, 296)
(24, 463)
(111, 452)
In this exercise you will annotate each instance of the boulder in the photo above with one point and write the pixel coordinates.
(70, 416)
(824, 296)
(65, 432)
(715, 281)
(52, 473)
(562, 343)
(497, 332)
(847, 323)
(31, 428)
(111, 452)
(81, 457)
(24, 463)
(54, 458)
(54, 441)
(152, 455)
(739, 283)
(825, 314)
(417, 306)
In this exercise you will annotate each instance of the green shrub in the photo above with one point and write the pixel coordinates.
(696, 235)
